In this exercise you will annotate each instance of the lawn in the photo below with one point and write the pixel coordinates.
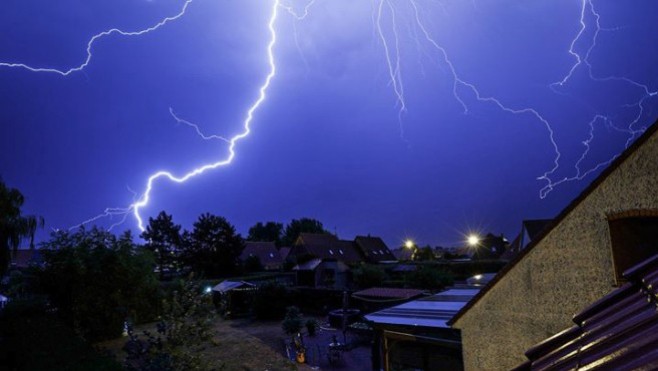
(236, 349)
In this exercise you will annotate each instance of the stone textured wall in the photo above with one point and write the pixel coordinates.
(564, 273)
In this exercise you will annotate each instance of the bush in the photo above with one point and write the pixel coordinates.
(429, 278)
(292, 323)
(367, 276)
(97, 281)
(33, 339)
(311, 327)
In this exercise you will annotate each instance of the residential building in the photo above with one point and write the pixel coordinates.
(266, 252)
(579, 257)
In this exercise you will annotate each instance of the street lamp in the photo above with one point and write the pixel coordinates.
(409, 244)
(473, 240)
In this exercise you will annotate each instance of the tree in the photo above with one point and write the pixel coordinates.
(293, 321)
(268, 232)
(299, 226)
(213, 248)
(163, 238)
(97, 281)
(252, 264)
(14, 227)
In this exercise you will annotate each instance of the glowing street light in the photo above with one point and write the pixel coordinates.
(409, 244)
(473, 240)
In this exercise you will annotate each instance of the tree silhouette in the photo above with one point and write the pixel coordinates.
(164, 239)
(268, 232)
(213, 247)
(298, 226)
(14, 227)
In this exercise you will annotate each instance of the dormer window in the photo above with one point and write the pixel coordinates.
(271, 256)
(340, 251)
(331, 252)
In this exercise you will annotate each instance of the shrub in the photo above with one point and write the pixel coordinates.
(311, 326)
(270, 301)
(292, 323)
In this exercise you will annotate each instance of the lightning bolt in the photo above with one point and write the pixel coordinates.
(144, 200)
(196, 128)
(93, 40)
(646, 93)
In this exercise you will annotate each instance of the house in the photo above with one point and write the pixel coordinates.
(325, 246)
(611, 226)
(530, 229)
(326, 273)
(266, 252)
(415, 335)
(619, 331)
(374, 250)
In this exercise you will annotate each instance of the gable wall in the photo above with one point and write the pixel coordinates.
(566, 271)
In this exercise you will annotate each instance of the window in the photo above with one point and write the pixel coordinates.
(340, 251)
(634, 238)
(331, 252)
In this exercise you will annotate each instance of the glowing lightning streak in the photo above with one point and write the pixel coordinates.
(196, 128)
(393, 70)
(584, 60)
(250, 114)
(96, 37)
(457, 81)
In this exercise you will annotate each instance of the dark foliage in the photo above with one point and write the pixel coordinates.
(293, 321)
(367, 276)
(213, 247)
(268, 232)
(298, 226)
(163, 238)
(430, 278)
(183, 333)
(96, 281)
(252, 264)
(31, 338)
(14, 227)
(270, 301)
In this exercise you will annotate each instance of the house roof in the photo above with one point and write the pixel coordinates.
(265, 251)
(619, 331)
(227, 285)
(327, 246)
(374, 249)
(284, 252)
(433, 311)
(387, 293)
(563, 214)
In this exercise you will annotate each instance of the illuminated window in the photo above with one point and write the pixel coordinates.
(634, 238)
(331, 252)
(340, 251)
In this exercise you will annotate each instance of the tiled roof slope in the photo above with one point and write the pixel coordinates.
(374, 249)
(327, 246)
(618, 332)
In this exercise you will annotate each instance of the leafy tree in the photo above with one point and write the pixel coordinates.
(299, 226)
(367, 276)
(163, 238)
(183, 333)
(97, 281)
(213, 247)
(268, 232)
(14, 227)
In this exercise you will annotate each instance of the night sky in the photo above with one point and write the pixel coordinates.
(331, 140)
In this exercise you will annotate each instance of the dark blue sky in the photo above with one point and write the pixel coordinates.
(329, 141)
